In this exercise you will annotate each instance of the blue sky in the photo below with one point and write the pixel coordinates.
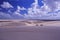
(29, 9)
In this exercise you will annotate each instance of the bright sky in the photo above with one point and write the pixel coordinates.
(29, 9)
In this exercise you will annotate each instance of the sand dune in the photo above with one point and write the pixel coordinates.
(16, 23)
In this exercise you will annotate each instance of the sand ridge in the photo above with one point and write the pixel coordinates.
(16, 23)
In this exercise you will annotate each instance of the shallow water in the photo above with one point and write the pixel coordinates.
(30, 33)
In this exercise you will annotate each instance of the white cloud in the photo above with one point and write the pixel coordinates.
(21, 8)
(58, 5)
(36, 11)
(53, 4)
(6, 5)
(47, 11)
(4, 15)
(50, 10)
(17, 12)
(14, 15)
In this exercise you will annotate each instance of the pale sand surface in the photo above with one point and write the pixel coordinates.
(29, 30)
(17, 23)
(30, 33)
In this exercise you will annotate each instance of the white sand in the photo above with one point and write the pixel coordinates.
(17, 23)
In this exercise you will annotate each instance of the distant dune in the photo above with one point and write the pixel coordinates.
(17, 23)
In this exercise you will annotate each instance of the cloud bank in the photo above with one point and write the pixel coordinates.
(50, 10)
